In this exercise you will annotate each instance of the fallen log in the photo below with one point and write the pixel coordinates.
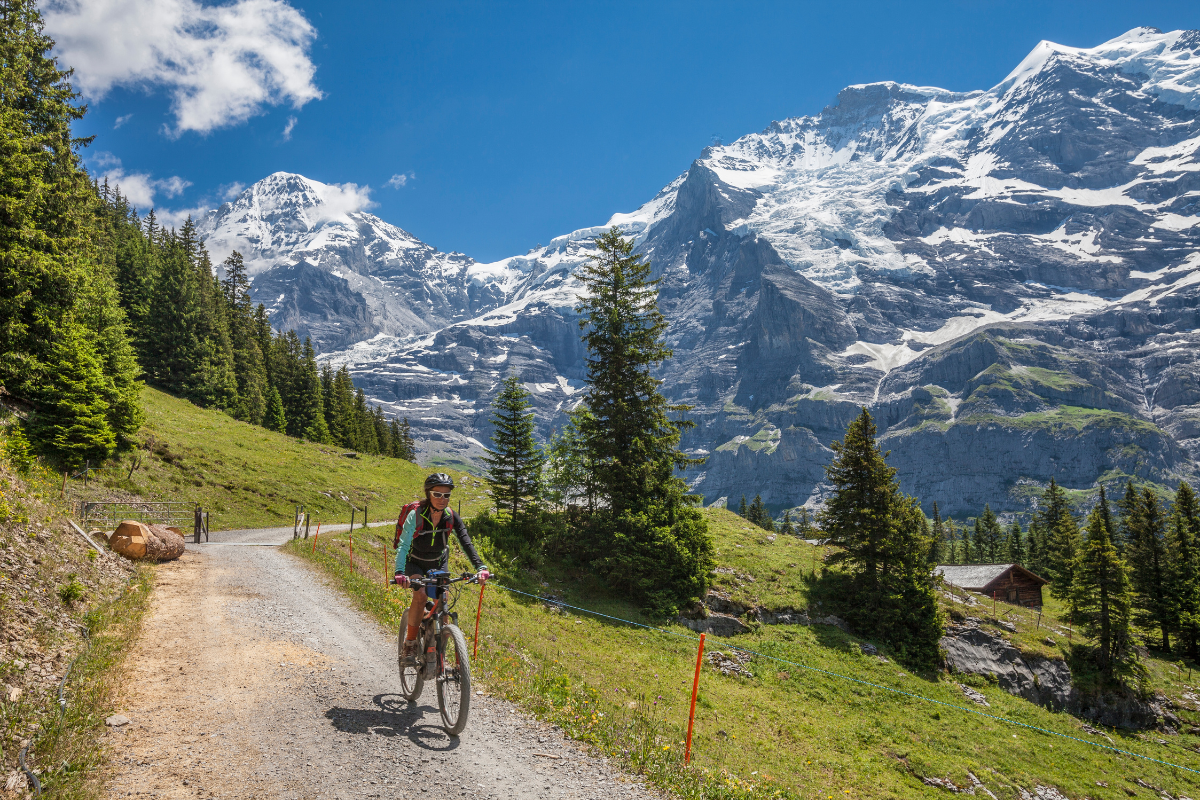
(136, 540)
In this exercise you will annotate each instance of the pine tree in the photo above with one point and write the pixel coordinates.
(567, 480)
(649, 540)
(954, 553)
(878, 535)
(1183, 553)
(247, 357)
(1015, 546)
(515, 463)
(1148, 555)
(17, 449)
(72, 421)
(988, 527)
(406, 448)
(937, 547)
(364, 425)
(276, 419)
(786, 527)
(1128, 506)
(1100, 599)
(759, 515)
(742, 509)
(56, 277)
(1036, 556)
(630, 433)
(1061, 540)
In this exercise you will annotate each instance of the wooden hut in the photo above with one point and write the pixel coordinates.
(1011, 583)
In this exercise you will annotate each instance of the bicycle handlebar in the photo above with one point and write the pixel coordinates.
(421, 583)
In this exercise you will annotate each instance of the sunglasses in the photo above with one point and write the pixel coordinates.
(440, 495)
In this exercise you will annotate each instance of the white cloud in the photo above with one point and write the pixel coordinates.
(121, 120)
(231, 190)
(287, 129)
(343, 198)
(138, 187)
(221, 63)
(400, 179)
(175, 218)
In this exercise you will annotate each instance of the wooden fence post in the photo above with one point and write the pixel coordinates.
(307, 522)
(352, 510)
(196, 525)
(364, 515)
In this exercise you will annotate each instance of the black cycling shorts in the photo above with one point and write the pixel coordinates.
(418, 567)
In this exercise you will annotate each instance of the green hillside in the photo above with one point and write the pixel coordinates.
(247, 476)
(786, 731)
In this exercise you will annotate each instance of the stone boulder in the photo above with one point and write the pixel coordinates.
(716, 625)
(970, 649)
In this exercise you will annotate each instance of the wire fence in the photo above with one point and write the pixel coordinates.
(839, 676)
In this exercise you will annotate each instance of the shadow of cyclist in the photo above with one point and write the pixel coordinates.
(393, 716)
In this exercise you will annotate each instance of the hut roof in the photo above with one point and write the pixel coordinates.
(977, 576)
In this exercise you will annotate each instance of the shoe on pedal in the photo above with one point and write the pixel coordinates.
(409, 656)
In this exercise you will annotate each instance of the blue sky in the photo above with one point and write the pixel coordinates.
(510, 123)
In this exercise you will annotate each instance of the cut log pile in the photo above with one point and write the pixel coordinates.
(136, 540)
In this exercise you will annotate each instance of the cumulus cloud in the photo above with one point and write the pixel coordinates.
(121, 120)
(287, 129)
(229, 191)
(138, 187)
(400, 179)
(343, 198)
(174, 218)
(222, 64)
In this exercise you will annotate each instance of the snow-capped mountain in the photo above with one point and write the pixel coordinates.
(328, 269)
(1008, 278)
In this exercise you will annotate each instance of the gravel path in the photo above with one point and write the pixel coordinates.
(254, 678)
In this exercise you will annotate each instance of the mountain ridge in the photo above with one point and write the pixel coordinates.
(1042, 230)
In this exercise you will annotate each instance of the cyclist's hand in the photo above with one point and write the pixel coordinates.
(401, 580)
(483, 575)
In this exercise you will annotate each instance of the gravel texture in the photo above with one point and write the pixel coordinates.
(254, 678)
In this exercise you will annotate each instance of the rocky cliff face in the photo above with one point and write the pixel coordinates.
(1009, 279)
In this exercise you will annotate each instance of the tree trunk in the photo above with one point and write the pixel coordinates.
(135, 540)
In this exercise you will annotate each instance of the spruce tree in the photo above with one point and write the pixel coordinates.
(1128, 508)
(1183, 552)
(406, 448)
(1100, 600)
(72, 419)
(56, 276)
(1061, 540)
(992, 534)
(1148, 556)
(1015, 546)
(742, 508)
(515, 462)
(759, 515)
(276, 418)
(954, 553)
(633, 439)
(937, 546)
(649, 540)
(878, 535)
(786, 527)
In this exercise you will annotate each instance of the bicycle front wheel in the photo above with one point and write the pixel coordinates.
(454, 680)
(412, 677)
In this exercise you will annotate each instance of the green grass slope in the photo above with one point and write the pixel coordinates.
(786, 731)
(247, 476)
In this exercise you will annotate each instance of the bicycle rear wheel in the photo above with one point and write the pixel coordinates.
(412, 679)
(454, 680)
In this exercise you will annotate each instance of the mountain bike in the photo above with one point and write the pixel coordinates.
(442, 653)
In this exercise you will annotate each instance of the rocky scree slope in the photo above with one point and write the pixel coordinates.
(1008, 278)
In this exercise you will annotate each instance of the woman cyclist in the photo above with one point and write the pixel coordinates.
(424, 544)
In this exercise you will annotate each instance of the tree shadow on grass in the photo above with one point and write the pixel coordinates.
(394, 716)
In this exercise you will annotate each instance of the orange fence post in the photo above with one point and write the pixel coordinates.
(478, 612)
(316, 536)
(687, 753)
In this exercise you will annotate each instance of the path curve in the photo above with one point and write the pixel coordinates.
(253, 677)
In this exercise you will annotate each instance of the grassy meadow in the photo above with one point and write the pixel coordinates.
(249, 477)
(786, 731)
